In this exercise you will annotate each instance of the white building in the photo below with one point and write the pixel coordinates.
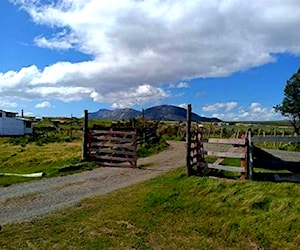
(10, 124)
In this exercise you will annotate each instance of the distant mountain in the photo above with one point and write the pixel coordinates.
(173, 113)
(115, 114)
(160, 113)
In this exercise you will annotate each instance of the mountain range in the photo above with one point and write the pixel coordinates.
(160, 113)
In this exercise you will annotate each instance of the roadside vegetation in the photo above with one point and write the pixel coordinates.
(152, 147)
(53, 159)
(55, 149)
(171, 212)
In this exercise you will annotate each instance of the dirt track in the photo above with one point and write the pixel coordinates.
(29, 200)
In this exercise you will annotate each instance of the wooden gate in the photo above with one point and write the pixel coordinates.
(109, 147)
(237, 149)
(112, 148)
(196, 153)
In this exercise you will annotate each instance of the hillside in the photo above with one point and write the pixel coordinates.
(161, 113)
(115, 114)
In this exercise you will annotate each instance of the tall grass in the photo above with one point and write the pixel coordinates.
(31, 158)
(171, 212)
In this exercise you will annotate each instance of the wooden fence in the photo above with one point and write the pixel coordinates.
(241, 148)
(196, 163)
(237, 149)
(258, 158)
(145, 135)
(112, 148)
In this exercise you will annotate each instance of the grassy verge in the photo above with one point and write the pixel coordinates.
(53, 159)
(171, 212)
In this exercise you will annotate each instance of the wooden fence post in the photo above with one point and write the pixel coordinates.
(135, 148)
(243, 160)
(144, 126)
(249, 155)
(200, 150)
(85, 136)
(188, 139)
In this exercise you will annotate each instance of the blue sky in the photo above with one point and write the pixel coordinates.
(229, 59)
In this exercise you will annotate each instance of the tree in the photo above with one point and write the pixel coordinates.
(290, 106)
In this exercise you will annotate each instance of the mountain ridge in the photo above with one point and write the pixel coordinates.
(161, 113)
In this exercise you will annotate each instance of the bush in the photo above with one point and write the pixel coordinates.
(152, 147)
(39, 139)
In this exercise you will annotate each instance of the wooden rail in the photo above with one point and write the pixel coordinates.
(242, 148)
(275, 139)
(115, 146)
(270, 163)
(195, 160)
(238, 150)
(112, 148)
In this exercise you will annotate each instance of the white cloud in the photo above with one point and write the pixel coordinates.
(153, 42)
(53, 43)
(183, 85)
(254, 112)
(180, 85)
(44, 104)
(183, 105)
(141, 95)
(227, 106)
(6, 103)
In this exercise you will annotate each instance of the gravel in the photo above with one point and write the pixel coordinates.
(30, 200)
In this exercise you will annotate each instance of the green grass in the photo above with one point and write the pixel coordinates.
(19, 155)
(171, 212)
(53, 159)
(152, 147)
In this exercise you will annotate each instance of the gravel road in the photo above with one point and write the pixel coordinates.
(27, 201)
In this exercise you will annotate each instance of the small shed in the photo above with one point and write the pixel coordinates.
(11, 124)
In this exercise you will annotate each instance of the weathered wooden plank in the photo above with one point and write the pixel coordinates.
(84, 154)
(111, 132)
(188, 139)
(231, 150)
(226, 168)
(113, 158)
(110, 139)
(113, 146)
(227, 141)
(226, 154)
(275, 139)
(114, 151)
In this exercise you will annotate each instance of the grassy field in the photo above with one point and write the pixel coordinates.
(51, 159)
(171, 212)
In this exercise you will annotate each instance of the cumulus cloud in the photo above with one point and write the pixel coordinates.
(122, 99)
(227, 106)
(254, 112)
(43, 105)
(6, 103)
(136, 42)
